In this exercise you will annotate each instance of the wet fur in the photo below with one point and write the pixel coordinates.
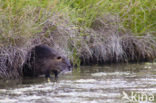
(43, 60)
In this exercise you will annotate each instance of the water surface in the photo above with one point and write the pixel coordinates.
(89, 84)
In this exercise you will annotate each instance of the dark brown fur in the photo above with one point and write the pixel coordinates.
(43, 60)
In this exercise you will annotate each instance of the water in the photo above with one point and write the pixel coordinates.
(122, 83)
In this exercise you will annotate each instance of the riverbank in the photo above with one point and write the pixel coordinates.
(88, 32)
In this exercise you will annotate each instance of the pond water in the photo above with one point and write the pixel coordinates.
(119, 83)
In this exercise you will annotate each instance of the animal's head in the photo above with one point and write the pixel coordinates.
(56, 65)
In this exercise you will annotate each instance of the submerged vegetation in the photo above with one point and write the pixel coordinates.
(88, 31)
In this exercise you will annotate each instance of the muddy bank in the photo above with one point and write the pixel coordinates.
(106, 41)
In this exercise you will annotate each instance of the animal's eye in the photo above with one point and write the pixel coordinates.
(59, 57)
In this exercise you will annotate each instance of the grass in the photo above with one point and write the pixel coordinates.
(138, 16)
(85, 30)
(23, 18)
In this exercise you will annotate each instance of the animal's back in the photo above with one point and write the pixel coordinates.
(43, 51)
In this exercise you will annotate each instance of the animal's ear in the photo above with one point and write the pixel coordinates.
(59, 58)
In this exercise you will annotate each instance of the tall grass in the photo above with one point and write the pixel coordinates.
(93, 31)
(23, 17)
(70, 21)
(136, 15)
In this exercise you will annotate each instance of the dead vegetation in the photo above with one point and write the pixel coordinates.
(106, 41)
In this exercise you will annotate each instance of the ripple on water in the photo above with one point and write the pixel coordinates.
(100, 74)
(8, 100)
(101, 87)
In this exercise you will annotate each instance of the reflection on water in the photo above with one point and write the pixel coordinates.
(96, 84)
